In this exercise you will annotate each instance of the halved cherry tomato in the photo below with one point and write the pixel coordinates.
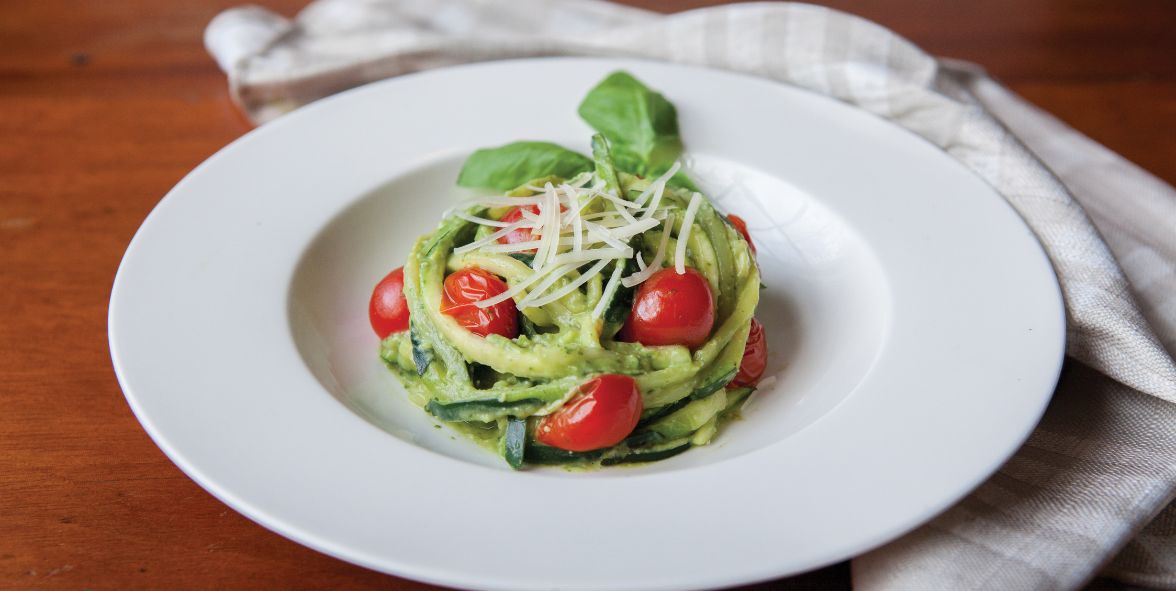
(520, 234)
(742, 227)
(388, 310)
(755, 357)
(603, 414)
(671, 309)
(470, 285)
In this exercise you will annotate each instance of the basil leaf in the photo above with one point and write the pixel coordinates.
(640, 124)
(509, 166)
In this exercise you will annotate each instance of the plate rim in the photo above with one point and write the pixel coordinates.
(262, 517)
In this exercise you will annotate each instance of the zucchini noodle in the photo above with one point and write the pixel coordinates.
(481, 382)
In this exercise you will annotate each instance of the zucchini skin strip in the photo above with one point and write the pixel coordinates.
(514, 442)
(636, 458)
(479, 410)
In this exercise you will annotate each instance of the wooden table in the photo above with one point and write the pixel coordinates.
(105, 105)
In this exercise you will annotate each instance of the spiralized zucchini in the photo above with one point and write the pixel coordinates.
(496, 388)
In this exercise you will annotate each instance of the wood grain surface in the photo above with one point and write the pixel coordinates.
(105, 105)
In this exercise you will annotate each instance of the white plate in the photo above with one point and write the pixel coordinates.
(914, 323)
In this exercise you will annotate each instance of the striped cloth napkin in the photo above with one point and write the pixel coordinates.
(1086, 495)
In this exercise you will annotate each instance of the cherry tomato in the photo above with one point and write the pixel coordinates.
(671, 309)
(755, 357)
(602, 414)
(388, 310)
(470, 285)
(742, 227)
(520, 234)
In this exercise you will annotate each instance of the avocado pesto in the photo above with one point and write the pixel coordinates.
(596, 311)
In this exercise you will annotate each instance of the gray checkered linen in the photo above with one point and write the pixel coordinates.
(1087, 492)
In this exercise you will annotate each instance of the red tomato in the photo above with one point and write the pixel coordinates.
(388, 310)
(520, 234)
(470, 285)
(671, 309)
(603, 414)
(742, 227)
(755, 357)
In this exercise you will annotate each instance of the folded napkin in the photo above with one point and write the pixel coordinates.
(1078, 498)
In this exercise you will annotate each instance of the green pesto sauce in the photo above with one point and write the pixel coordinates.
(566, 346)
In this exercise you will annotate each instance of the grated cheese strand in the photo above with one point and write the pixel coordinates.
(566, 238)
(557, 273)
(657, 197)
(513, 291)
(624, 211)
(684, 234)
(549, 231)
(610, 219)
(622, 204)
(491, 238)
(625, 232)
(552, 223)
(480, 220)
(577, 221)
(655, 264)
(581, 179)
(604, 235)
(660, 182)
(610, 289)
(565, 290)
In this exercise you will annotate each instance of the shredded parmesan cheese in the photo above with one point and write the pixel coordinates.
(610, 289)
(684, 235)
(510, 293)
(565, 238)
(565, 290)
(491, 238)
(603, 235)
(549, 230)
(631, 230)
(577, 222)
(655, 185)
(478, 220)
(657, 195)
(655, 264)
(556, 274)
